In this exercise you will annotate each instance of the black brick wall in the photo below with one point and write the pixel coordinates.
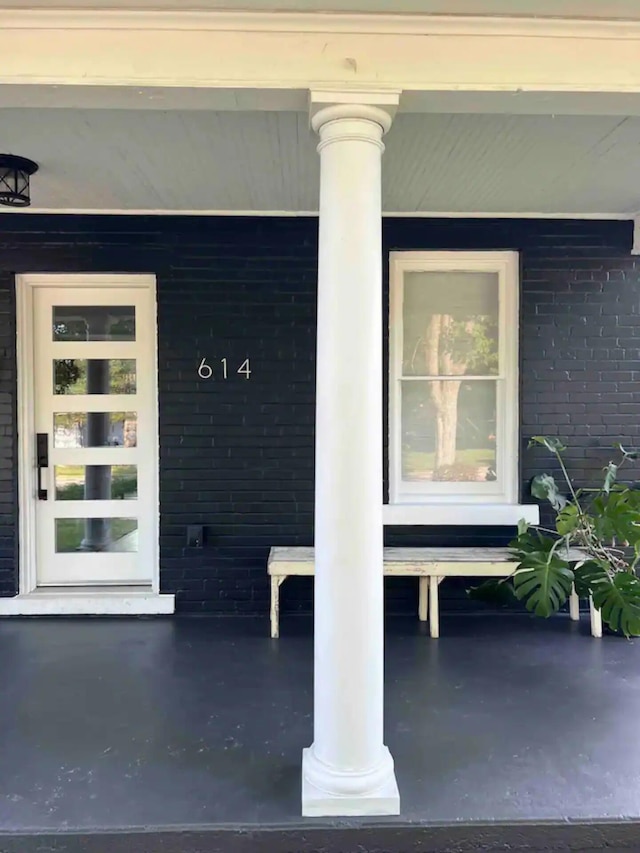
(237, 455)
(8, 468)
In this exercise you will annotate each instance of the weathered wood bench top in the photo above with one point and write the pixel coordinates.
(405, 561)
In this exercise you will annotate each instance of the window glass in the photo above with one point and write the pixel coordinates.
(95, 429)
(94, 376)
(96, 482)
(114, 535)
(449, 431)
(450, 324)
(94, 323)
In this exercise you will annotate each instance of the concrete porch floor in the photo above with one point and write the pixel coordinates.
(164, 734)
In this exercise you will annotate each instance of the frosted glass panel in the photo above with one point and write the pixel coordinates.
(449, 431)
(450, 324)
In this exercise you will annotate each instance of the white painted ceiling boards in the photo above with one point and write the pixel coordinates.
(200, 160)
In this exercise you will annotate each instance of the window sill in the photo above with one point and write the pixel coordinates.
(468, 515)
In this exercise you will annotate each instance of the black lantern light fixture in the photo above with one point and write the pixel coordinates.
(14, 180)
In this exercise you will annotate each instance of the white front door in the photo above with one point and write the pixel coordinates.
(94, 439)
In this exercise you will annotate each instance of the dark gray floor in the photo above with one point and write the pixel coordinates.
(200, 722)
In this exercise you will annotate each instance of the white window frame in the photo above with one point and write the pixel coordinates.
(451, 503)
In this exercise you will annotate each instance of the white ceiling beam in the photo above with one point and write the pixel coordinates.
(153, 98)
(297, 51)
(296, 100)
(620, 9)
(106, 18)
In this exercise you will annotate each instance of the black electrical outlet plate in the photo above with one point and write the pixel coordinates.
(195, 536)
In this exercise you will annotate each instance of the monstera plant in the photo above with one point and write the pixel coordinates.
(594, 543)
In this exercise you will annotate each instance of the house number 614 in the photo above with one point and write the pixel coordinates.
(206, 371)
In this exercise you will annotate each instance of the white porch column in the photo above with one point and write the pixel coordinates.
(348, 770)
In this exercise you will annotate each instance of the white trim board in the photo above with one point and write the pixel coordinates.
(635, 250)
(411, 214)
(379, 23)
(305, 51)
(151, 98)
(459, 515)
(88, 602)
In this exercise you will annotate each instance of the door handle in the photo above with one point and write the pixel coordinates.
(42, 461)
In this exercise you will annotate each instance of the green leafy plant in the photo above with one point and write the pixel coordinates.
(594, 544)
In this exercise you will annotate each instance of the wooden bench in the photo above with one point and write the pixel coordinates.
(430, 565)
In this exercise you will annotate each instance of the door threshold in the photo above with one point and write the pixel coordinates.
(89, 601)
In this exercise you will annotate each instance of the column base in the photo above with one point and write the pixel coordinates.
(384, 800)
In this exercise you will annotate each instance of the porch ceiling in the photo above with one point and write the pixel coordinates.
(198, 160)
(628, 9)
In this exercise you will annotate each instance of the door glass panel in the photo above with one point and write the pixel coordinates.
(94, 376)
(95, 429)
(449, 431)
(113, 535)
(96, 482)
(450, 324)
(94, 323)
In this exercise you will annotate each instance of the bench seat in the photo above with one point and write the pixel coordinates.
(430, 565)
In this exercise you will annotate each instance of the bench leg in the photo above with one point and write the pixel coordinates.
(574, 605)
(596, 619)
(423, 599)
(434, 611)
(275, 606)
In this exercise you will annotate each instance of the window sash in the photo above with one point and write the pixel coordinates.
(504, 488)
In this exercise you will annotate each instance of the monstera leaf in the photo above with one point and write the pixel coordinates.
(619, 601)
(543, 580)
(544, 487)
(616, 516)
(589, 576)
(567, 520)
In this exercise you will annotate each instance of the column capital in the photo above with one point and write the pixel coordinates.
(376, 107)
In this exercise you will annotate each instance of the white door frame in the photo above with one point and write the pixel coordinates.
(30, 599)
